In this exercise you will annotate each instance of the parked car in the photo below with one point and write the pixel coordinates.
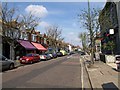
(63, 52)
(30, 58)
(82, 53)
(59, 54)
(118, 62)
(71, 53)
(45, 57)
(54, 54)
(5, 63)
(50, 54)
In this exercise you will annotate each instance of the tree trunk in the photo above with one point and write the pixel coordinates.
(92, 55)
(1, 48)
(92, 49)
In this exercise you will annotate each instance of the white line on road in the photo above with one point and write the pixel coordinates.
(82, 74)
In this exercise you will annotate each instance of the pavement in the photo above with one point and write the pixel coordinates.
(103, 76)
(17, 63)
(113, 65)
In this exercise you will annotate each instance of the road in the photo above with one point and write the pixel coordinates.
(62, 72)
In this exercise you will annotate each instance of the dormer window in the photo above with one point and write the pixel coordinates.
(24, 36)
(34, 37)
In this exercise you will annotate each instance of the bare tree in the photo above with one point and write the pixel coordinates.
(89, 20)
(29, 21)
(85, 42)
(12, 25)
(55, 33)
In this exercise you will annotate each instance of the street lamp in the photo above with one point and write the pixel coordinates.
(111, 31)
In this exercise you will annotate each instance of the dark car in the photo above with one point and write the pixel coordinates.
(6, 63)
(30, 58)
(48, 56)
(82, 53)
(71, 53)
(54, 54)
(59, 54)
(118, 61)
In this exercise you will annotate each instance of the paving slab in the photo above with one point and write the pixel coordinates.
(103, 76)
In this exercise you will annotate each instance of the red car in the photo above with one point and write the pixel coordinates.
(30, 58)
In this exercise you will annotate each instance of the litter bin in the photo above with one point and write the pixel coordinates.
(102, 57)
(118, 61)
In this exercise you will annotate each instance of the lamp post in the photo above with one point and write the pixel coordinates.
(111, 31)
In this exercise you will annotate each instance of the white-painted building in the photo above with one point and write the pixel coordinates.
(70, 48)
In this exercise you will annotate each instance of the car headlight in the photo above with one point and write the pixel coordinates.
(27, 59)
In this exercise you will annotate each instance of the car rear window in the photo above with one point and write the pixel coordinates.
(29, 55)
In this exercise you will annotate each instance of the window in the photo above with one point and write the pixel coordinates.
(34, 37)
(2, 58)
(29, 55)
(25, 36)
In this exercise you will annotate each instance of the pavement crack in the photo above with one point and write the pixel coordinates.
(101, 73)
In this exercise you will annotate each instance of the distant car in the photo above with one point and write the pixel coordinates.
(50, 54)
(5, 63)
(30, 58)
(54, 54)
(71, 53)
(82, 53)
(63, 52)
(45, 57)
(59, 54)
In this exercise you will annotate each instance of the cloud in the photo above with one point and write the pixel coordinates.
(37, 10)
(71, 33)
(72, 37)
(44, 24)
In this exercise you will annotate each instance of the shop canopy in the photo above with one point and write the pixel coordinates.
(26, 44)
(39, 46)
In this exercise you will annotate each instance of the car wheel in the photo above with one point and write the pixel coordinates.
(31, 62)
(11, 66)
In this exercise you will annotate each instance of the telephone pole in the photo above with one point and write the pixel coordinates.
(91, 33)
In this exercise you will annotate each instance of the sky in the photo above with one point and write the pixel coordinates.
(62, 14)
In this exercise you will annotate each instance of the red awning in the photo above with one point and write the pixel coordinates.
(39, 46)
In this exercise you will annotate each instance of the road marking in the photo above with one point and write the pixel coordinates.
(82, 74)
(69, 56)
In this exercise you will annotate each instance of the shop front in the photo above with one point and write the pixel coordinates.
(40, 48)
(24, 48)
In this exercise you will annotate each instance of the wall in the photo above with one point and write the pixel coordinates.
(118, 15)
(108, 19)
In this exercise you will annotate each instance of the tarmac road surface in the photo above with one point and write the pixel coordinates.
(62, 72)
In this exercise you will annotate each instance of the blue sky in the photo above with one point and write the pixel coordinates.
(63, 14)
